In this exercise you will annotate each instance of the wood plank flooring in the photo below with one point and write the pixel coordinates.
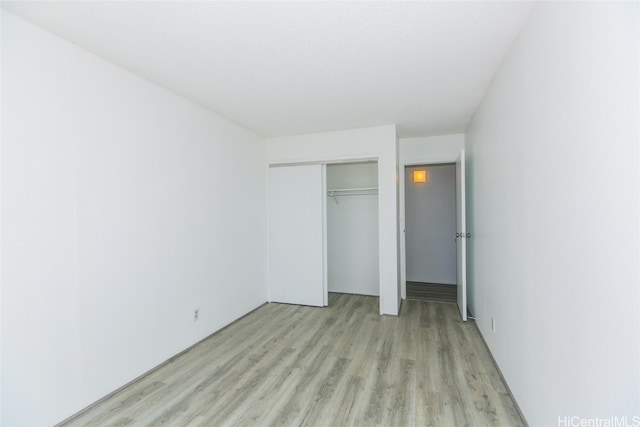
(432, 292)
(341, 365)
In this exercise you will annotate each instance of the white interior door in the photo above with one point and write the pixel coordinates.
(461, 237)
(296, 263)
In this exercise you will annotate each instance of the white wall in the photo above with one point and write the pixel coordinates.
(352, 230)
(124, 208)
(357, 144)
(352, 175)
(420, 151)
(430, 217)
(1, 133)
(430, 149)
(554, 207)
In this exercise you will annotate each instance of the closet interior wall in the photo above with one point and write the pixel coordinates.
(352, 228)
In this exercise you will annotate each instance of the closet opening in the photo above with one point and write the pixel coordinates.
(430, 229)
(352, 245)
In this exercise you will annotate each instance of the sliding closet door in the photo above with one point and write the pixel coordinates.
(296, 268)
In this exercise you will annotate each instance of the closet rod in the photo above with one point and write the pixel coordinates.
(352, 192)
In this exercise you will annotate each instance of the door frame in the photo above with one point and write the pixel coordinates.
(461, 241)
(324, 163)
(426, 161)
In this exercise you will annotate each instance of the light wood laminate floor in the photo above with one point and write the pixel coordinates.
(341, 365)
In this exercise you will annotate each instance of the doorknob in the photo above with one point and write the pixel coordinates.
(457, 235)
(468, 235)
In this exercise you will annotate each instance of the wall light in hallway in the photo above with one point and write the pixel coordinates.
(420, 176)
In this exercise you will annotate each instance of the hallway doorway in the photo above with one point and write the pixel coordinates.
(430, 229)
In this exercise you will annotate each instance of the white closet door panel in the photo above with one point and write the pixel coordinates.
(296, 269)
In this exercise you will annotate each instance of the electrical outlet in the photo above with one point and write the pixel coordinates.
(196, 314)
(493, 324)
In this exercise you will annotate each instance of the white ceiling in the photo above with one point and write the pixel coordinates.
(285, 68)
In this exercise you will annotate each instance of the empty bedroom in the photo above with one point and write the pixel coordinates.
(322, 213)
